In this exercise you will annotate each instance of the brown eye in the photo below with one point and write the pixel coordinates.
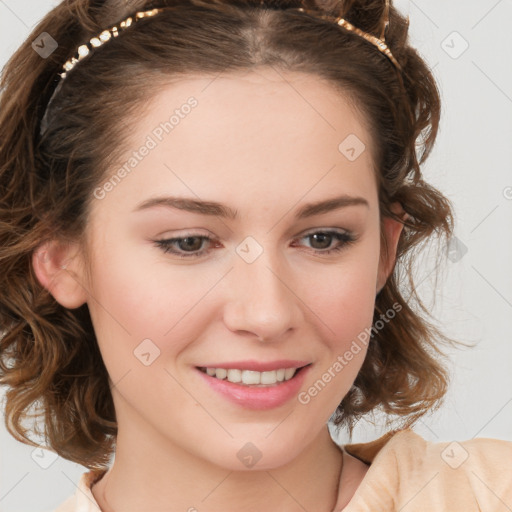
(191, 243)
(324, 240)
(184, 247)
(321, 241)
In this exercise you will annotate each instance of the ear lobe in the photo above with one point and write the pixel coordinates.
(57, 266)
(392, 230)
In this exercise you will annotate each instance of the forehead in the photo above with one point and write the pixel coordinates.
(259, 133)
(258, 101)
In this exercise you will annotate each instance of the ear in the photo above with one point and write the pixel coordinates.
(392, 230)
(58, 266)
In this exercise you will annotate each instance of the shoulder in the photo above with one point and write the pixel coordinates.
(83, 500)
(474, 474)
(450, 458)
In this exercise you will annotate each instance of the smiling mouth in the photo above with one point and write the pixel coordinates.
(251, 377)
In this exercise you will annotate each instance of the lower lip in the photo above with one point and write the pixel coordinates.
(258, 398)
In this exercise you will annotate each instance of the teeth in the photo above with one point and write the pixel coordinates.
(289, 373)
(250, 377)
(221, 373)
(268, 377)
(233, 375)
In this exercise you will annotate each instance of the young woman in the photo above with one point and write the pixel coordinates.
(209, 212)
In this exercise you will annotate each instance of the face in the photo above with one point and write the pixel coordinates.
(208, 253)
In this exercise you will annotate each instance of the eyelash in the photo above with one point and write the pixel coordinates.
(345, 239)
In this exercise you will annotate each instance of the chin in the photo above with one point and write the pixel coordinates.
(261, 451)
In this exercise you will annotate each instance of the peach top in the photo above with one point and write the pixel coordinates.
(407, 473)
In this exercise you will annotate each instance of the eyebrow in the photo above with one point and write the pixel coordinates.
(220, 210)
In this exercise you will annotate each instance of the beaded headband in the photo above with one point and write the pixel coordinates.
(85, 49)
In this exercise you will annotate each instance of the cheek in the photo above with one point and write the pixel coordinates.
(344, 307)
(134, 299)
(345, 297)
(133, 284)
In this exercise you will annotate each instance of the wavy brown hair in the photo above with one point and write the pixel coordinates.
(49, 356)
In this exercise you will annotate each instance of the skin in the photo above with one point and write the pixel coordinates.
(263, 143)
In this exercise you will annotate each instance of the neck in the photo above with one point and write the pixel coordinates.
(144, 476)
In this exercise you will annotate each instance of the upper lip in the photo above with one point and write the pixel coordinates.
(257, 366)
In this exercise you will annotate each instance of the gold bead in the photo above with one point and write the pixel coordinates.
(83, 51)
(105, 36)
(126, 23)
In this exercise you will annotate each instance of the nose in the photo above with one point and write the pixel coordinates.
(261, 299)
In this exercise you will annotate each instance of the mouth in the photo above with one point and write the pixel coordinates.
(253, 378)
(254, 385)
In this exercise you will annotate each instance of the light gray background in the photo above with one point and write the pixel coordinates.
(471, 164)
